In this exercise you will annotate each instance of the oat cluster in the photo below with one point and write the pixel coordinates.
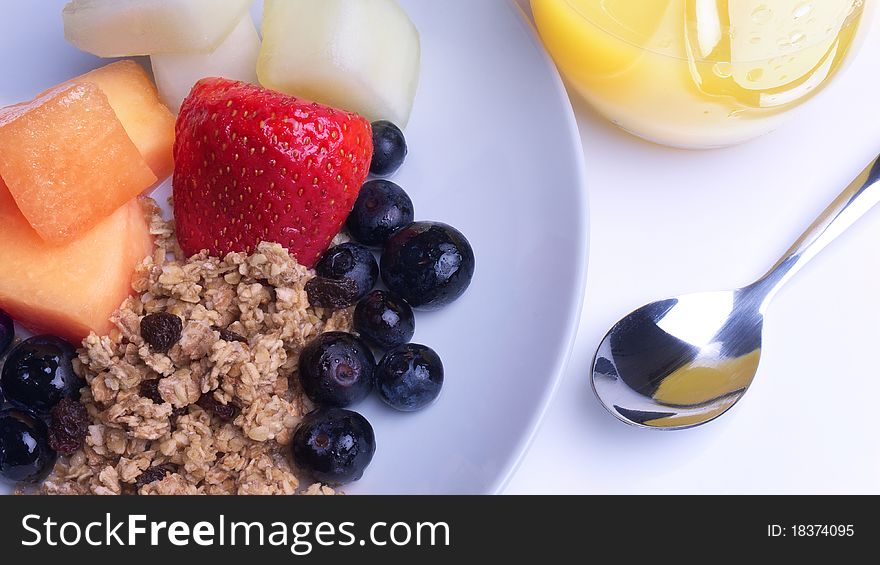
(213, 414)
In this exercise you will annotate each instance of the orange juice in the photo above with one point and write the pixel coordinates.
(697, 73)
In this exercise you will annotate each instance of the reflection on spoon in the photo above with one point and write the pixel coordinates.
(682, 362)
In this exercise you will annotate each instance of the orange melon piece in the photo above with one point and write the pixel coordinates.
(69, 290)
(68, 162)
(134, 98)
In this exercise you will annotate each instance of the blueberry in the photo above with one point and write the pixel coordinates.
(333, 445)
(381, 209)
(25, 455)
(429, 264)
(353, 262)
(336, 369)
(384, 319)
(39, 372)
(7, 332)
(389, 148)
(409, 377)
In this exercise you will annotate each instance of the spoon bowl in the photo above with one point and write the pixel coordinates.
(681, 362)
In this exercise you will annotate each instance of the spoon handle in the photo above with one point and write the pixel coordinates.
(857, 199)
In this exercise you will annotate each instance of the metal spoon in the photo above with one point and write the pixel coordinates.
(682, 362)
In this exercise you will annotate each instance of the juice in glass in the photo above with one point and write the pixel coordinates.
(697, 73)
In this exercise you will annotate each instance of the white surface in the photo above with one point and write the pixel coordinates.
(665, 222)
(479, 160)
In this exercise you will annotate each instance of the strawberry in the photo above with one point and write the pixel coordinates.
(255, 165)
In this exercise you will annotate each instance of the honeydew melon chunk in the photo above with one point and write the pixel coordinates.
(358, 55)
(777, 43)
(123, 28)
(235, 58)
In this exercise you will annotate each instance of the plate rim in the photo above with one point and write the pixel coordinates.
(510, 461)
(582, 239)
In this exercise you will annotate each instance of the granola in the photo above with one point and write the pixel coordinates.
(213, 414)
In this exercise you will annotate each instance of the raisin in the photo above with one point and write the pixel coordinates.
(161, 330)
(69, 426)
(178, 412)
(150, 389)
(222, 411)
(153, 474)
(229, 335)
(332, 294)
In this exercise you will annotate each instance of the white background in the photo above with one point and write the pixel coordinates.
(665, 222)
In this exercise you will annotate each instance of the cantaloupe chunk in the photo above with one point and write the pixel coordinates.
(147, 121)
(72, 289)
(68, 162)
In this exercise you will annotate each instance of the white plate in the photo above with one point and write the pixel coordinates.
(494, 151)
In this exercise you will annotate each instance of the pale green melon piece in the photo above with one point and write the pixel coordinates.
(124, 28)
(358, 55)
(235, 58)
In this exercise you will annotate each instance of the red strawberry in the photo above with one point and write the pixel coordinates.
(253, 165)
